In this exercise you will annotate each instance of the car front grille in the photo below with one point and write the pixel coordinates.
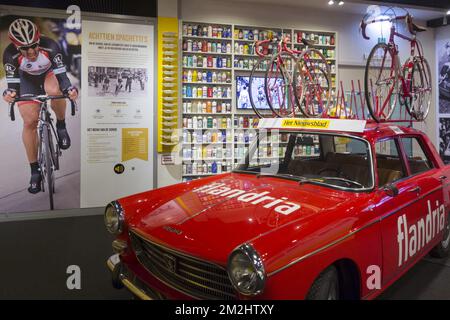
(194, 277)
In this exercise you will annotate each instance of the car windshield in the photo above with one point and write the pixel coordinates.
(332, 160)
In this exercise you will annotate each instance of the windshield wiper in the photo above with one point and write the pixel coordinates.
(243, 171)
(348, 181)
(279, 175)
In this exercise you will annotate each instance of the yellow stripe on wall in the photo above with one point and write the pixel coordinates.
(167, 127)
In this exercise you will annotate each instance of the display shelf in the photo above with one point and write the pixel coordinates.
(316, 45)
(206, 159)
(207, 129)
(246, 55)
(217, 114)
(207, 143)
(209, 83)
(207, 53)
(207, 38)
(244, 40)
(206, 99)
(239, 45)
(206, 68)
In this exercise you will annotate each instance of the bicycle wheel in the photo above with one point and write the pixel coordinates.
(279, 85)
(256, 89)
(381, 82)
(48, 170)
(315, 87)
(418, 104)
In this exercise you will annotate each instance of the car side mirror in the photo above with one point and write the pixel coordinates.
(390, 190)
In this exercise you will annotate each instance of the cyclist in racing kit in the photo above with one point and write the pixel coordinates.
(34, 66)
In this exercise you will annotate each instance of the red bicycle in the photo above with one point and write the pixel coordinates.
(296, 82)
(384, 74)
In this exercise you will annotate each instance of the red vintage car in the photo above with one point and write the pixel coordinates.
(318, 209)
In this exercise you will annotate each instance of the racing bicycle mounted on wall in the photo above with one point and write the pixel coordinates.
(48, 147)
(387, 82)
(295, 82)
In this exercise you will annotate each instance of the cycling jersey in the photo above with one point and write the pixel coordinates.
(29, 76)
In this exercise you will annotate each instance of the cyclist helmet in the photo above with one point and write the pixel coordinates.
(23, 33)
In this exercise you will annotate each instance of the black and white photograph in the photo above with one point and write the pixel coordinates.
(117, 82)
(444, 77)
(444, 139)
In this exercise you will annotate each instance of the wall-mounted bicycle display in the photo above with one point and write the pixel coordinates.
(387, 82)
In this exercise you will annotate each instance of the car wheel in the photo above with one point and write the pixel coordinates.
(326, 286)
(442, 250)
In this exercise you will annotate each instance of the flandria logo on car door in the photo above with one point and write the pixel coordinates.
(282, 205)
(412, 238)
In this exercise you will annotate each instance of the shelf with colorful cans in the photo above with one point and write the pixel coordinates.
(213, 54)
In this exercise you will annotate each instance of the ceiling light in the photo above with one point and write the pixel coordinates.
(330, 3)
(341, 3)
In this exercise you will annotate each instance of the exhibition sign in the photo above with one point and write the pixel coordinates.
(116, 127)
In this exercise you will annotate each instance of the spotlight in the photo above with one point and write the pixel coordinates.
(341, 3)
(330, 3)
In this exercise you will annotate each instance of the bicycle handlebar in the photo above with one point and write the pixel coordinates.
(282, 45)
(258, 44)
(406, 17)
(41, 98)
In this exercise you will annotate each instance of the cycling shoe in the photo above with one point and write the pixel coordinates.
(63, 139)
(35, 183)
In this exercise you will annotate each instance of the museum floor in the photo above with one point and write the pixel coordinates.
(34, 264)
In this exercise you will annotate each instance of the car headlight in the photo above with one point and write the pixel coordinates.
(246, 270)
(114, 218)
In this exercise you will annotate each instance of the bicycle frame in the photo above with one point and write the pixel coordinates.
(397, 69)
(48, 150)
(414, 44)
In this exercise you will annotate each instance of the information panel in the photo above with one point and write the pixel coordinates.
(117, 121)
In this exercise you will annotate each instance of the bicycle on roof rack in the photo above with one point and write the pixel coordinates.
(387, 82)
(295, 82)
(48, 147)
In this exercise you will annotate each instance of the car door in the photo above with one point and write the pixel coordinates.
(427, 223)
(395, 198)
(410, 219)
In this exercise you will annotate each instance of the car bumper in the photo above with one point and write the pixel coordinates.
(122, 275)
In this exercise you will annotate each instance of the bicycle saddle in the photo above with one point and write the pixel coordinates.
(414, 28)
(308, 42)
(418, 28)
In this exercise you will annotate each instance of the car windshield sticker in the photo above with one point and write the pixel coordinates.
(315, 124)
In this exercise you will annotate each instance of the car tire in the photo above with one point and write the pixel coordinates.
(442, 250)
(326, 286)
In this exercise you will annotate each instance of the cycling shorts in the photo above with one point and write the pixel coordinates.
(32, 85)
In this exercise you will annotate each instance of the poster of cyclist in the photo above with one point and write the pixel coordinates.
(443, 51)
(117, 122)
(40, 77)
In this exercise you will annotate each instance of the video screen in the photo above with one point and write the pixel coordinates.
(258, 94)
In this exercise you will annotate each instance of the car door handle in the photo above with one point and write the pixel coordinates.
(415, 190)
(442, 178)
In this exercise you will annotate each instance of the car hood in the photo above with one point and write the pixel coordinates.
(211, 220)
